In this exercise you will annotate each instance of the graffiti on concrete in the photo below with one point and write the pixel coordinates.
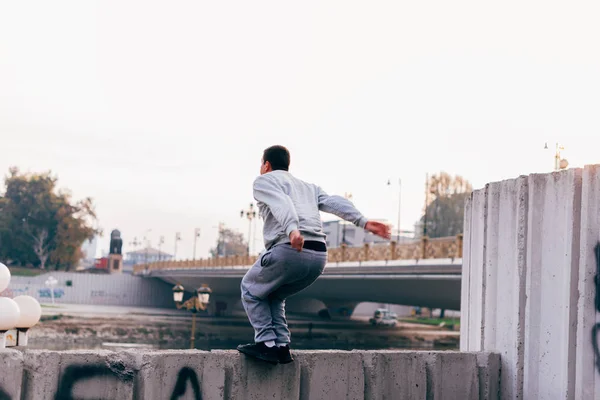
(596, 327)
(45, 293)
(4, 395)
(113, 373)
(186, 374)
(77, 373)
(105, 294)
(9, 292)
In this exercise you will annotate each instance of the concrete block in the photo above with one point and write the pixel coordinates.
(452, 375)
(330, 375)
(41, 374)
(250, 379)
(465, 285)
(554, 223)
(391, 375)
(182, 374)
(489, 373)
(506, 245)
(587, 380)
(11, 374)
(80, 374)
(477, 270)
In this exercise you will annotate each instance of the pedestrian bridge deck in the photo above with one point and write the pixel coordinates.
(389, 254)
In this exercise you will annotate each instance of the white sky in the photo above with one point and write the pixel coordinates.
(160, 110)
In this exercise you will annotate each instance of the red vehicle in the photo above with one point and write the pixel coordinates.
(101, 263)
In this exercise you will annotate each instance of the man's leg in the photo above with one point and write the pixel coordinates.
(257, 307)
(278, 297)
(278, 310)
(256, 287)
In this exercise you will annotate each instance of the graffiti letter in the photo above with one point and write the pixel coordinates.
(184, 375)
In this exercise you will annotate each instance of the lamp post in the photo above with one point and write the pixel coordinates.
(399, 204)
(177, 239)
(196, 236)
(160, 243)
(347, 196)
(147, 244)
(250, 214)
(559, 163)
(198, 302)
(17, 315)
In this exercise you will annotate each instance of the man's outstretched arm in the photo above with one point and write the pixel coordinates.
(343, 208)
(267, 191)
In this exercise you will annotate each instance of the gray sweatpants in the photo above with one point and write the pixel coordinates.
(278, 274)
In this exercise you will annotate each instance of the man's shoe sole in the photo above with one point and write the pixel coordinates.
(258, 357)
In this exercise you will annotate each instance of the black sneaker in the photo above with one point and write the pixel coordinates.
(260, 351)
(285, 357)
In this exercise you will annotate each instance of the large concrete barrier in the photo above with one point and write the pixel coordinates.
(190, 374)
(530, 289)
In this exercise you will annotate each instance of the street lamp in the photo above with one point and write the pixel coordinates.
(250, 214)
(559, 163)
(177, 239)
(9, 315)
(399, 203)
(196, 236)
(31, 312)
(17, 315)
(348, 196)
(160, 243)
(198, 302)
(4, 277)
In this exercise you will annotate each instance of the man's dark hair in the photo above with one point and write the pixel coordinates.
(278, 156)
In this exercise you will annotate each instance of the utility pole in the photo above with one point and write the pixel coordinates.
(177, 239)
(196, 236)
(147, 243)
(160, 243)
(250, 214)
(135, 244)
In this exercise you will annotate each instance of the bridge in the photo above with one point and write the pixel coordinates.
(424, 273)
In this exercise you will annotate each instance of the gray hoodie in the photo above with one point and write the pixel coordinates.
(287, 203)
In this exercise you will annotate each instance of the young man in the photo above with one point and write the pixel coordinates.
(295, 254)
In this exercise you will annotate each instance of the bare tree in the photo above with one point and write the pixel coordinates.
(41, 247)
(41, 244)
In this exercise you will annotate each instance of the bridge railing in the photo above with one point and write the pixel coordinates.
(424, 248)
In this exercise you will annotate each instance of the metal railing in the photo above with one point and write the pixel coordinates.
(425, 248)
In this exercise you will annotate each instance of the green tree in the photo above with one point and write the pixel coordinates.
(40, 224)
(229, 243)
(444, 213)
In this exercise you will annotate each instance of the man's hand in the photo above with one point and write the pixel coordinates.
(296, 240)
(379, 229)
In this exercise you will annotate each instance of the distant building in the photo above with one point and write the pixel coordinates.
(146, 255)
(89, 249)
(337, 230)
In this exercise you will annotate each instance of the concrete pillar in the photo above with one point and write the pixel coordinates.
(340, 308)
(527, 282)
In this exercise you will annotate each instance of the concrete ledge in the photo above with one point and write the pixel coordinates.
(191, 374)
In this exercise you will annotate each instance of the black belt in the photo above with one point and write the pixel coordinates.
(315, 245)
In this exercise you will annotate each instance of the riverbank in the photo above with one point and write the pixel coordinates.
(76, 327)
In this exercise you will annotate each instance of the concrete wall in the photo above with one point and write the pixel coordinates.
(114, 290)
(228, 375)
(528, 288)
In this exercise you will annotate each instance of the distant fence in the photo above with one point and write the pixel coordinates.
(447, 247)
(80, 288)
